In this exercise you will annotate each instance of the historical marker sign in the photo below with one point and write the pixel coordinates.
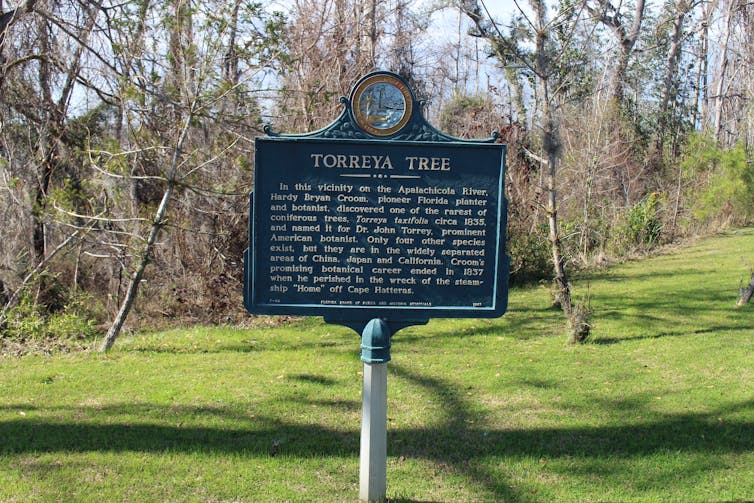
(396, 227)
(377, 222)
(348, 225)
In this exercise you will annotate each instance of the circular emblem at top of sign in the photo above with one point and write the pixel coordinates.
(382, 104)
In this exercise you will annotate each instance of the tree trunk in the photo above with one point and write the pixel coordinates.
(133, 286)
(670, 87)
(157, 224)
(558, 260)
(702, 56)
(372, 34)
(611, 17)
(230, 59)
(551, 145)
(45, 147)
(720, 84)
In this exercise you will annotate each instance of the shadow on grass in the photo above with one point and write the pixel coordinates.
(518, 323)
(313, 379)
(459, 439)
(606, 341)
(679, 275)
(236, 347)
(454, 443)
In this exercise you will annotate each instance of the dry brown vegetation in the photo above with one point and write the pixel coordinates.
(126, 135)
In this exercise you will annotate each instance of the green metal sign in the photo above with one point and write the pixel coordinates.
(377, 222)
(378, 215)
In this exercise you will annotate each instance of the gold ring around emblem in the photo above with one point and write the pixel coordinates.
(382, 104)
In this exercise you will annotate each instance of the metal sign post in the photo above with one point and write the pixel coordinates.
(377, 222)
(375, 353)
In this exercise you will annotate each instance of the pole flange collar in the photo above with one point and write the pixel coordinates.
(375, 342)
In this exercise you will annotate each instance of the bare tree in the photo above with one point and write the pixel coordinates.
(700, 105)
(720, 77)
(207, 83)
(542, 64)
(626, 35)
(158, 223)
(41, 58)
(130, 126)
(732, 92)
(508, 50)
(332, 43)
(679, 11)
(600, 175)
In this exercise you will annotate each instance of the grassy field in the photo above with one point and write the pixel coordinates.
(658, 406)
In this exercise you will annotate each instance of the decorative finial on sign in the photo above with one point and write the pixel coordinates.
(267, 128)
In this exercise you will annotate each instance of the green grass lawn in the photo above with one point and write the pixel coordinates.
(658, 406)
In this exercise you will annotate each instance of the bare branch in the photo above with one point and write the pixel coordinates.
(96, 218)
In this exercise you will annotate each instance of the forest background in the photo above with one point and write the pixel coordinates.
(127, 135)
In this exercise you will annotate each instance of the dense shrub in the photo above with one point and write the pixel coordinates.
(531, 256)
(643, 223)
(719, 182)
(31, 327)
(469, 116)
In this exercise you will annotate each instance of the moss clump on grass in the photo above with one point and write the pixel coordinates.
(579, 323)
